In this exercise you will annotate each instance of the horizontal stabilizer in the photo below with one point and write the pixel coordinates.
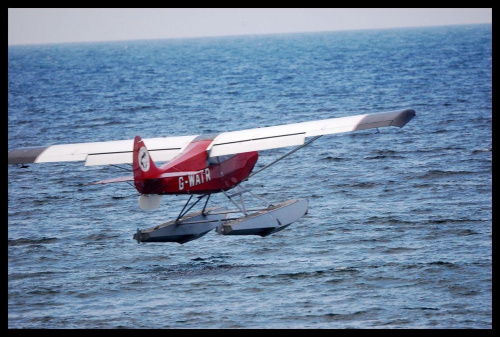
(115, 180)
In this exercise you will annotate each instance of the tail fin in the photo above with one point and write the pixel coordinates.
(142, 164)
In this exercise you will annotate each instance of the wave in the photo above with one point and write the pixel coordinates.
(25, 241)
(334, 159)
(308, 274)
(488, 149)
(443, 173)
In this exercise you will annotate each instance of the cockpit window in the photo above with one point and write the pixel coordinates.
(219, 159)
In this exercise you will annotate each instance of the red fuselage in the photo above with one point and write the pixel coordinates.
(207, 175)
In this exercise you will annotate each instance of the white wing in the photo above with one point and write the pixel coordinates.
(165, 148)
(100, 153)
(295, 134)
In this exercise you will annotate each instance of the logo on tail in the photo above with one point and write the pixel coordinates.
(143, 159)
(143, 166)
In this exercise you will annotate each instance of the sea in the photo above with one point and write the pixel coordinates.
(398, 234)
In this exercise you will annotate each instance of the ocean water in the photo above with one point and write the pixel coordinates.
(399, 229)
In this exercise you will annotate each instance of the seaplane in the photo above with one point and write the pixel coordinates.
(202, 165)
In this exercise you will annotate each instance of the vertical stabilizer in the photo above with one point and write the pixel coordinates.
(142, 164)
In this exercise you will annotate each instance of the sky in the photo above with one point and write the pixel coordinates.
(61, 25)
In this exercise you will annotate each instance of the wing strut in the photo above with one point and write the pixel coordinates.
(284, 156)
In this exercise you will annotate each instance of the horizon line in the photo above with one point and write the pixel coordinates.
(244, 34)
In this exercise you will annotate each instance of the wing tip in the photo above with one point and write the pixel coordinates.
(25, 155)
(392, 118)
(403, 117)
